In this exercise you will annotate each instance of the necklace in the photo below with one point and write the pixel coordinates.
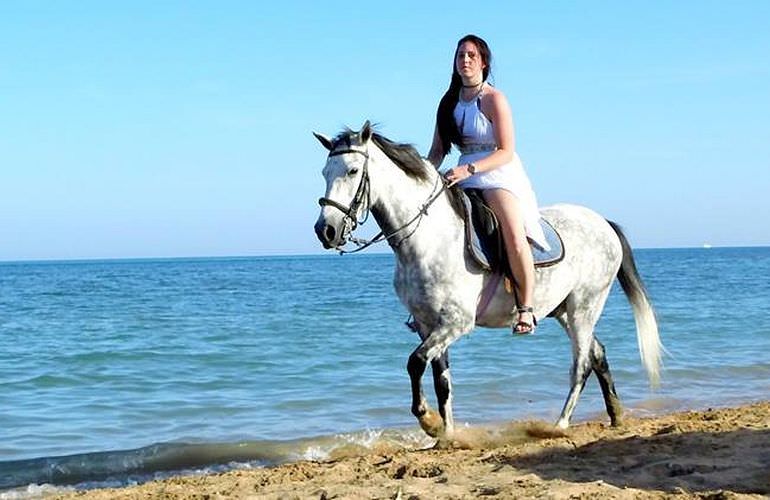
(474, 95)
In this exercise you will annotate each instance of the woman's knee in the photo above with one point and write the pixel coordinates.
(520, 246)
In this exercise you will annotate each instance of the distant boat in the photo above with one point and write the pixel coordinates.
(706, 245)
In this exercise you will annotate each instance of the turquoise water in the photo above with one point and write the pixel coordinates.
(255, 361)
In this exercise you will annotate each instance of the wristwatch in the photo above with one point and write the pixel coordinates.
(471, 168)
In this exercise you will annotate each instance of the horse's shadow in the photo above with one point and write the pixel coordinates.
(738, 461)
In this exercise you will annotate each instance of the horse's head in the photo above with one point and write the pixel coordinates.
(347, 186)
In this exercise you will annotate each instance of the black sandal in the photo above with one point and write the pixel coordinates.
(525, 327)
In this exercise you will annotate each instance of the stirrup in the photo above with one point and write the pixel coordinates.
(524, 327)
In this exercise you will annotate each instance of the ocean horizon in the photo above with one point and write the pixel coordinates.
(330, 253)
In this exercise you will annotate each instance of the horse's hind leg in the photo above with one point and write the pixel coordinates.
(581, 368)
(602, 370)
(578, 317)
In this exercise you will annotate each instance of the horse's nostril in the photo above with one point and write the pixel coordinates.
(329, 233)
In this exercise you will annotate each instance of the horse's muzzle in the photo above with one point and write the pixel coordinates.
(327, 234)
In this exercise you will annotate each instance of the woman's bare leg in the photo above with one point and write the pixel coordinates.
(507, 208)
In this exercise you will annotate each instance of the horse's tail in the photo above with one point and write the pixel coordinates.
(646, 325)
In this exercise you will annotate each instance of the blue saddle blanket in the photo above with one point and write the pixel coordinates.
(545, 257)
(485, 243)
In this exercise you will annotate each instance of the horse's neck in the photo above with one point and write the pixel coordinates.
(399, 199)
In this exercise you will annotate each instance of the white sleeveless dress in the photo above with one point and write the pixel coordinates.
(479, 142)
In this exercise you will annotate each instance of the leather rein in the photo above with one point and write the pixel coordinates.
(362, 198)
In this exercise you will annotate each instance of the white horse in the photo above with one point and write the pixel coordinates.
(441, 285)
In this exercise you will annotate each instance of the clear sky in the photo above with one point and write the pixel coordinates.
(183, 128)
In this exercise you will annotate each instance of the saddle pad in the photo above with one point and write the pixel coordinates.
(484, 241)
(550, 257)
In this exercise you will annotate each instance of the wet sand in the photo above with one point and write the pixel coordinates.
(712, 454)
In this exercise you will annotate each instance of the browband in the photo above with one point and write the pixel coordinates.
(338, 152)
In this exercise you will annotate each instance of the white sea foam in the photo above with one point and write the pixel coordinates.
(33, 491)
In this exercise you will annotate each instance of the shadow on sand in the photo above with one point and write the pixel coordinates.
(737, 460)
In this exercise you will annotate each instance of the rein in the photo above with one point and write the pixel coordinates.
(362, 193)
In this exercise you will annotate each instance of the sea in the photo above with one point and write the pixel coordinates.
(116, 372)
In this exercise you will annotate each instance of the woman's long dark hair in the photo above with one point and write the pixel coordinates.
(447, 128)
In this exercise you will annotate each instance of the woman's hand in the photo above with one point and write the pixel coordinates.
(457, 174)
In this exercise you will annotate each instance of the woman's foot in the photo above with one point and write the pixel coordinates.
(526, 323)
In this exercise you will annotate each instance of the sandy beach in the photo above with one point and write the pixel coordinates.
(716, 453)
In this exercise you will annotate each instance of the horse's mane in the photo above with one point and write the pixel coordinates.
(402, 154)
(406, 157)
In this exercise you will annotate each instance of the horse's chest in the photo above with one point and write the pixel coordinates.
(412, 284)
(426, 288)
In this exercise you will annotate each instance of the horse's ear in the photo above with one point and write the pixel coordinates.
(366, 132)
(325, 141)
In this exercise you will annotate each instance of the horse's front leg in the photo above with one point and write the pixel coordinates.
(430, 421)
(434, 350)
(442, 385)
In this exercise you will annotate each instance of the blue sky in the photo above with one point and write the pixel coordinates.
(162, 129)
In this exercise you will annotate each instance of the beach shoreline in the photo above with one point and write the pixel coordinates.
(714, 453)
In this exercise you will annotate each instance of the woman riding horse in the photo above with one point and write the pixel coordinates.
(476, 117)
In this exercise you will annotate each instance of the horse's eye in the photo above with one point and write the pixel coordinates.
(352, 171)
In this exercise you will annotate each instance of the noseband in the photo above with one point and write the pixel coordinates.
(360, 199)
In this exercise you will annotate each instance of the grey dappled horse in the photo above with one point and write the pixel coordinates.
(441, 285)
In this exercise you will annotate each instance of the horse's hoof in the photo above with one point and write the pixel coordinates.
(432, 423)
(615, 411)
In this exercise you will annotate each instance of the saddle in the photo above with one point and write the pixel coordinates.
(484, 241)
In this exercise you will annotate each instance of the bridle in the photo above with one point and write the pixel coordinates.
(361, 198)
